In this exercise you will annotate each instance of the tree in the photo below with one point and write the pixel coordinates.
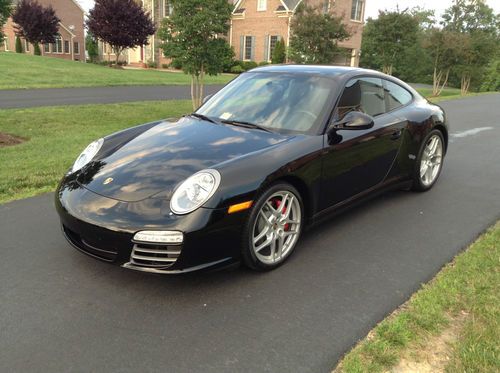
(5, 8)
(315, 36)
(35, 23)
(279, 52)
(388, 37)
(478, 27)
(120, 23)
(468, 16)
(192, 37)
(444, 47)
(19, 45)
(91, 47)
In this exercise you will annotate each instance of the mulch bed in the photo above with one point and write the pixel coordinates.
(10, 140)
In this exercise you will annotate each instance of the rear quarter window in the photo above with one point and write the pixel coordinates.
(397, 96)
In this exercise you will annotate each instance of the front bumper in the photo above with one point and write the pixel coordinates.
(104, 229)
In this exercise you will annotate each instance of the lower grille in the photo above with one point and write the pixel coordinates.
(154, 255)
(106, 254)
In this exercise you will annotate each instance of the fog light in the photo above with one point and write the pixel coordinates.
(169, 237)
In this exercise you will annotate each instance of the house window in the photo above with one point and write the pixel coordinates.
(273, 39)
(261, 5)
(167, 8)
(46, 48)
(357, 10)
(326, 6)
(66, 46)
(6, 44)
(57, 46)
(26, 46)
(248, 48)
(76, 47)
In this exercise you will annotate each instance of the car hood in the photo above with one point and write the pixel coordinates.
(163, 156)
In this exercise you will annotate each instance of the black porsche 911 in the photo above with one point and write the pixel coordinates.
(277, 149)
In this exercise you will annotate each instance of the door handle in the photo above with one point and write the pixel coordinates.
(396, 134)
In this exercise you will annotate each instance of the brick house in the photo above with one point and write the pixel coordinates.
(70, 42)
(257, 25)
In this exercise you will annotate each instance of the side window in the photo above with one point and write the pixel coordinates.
(397, 96)
(362, 94)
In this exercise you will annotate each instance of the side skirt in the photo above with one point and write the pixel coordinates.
(358, 199)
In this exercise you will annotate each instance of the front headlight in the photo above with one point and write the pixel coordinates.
(195, 191)
(87, 155)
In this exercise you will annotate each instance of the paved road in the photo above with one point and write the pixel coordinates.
(23, 98)
(61, 311)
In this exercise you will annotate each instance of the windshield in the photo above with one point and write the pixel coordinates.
(295, 103)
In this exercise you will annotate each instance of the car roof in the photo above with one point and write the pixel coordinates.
(311, 69)
(337, 72)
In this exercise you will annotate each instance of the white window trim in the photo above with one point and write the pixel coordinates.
(245, 48)
(261, 7)
(362, 14)
(269, 56)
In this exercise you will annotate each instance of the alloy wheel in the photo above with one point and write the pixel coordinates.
(430, 163)
(277, 227)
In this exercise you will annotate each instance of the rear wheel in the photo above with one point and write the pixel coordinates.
(429, 162)
(273, 228)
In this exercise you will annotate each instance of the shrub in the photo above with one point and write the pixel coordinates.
(263, 63)
(237, 69)
(176, 64)
(19, 45)
(248, 65)
(152, 64)
(36, 50)
(164, 65)
(279, 52)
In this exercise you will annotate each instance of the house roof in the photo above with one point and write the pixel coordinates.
(291, 4)
(287, 5)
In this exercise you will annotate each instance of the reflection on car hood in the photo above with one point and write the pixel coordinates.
(158, 159)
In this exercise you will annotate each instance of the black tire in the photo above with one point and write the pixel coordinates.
(418, 184)
(248, 256)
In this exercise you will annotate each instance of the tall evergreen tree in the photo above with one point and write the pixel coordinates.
(5, 9)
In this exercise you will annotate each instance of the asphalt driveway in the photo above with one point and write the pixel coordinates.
(24, 98)
(61, 311)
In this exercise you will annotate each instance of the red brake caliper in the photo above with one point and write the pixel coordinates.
(277, 203)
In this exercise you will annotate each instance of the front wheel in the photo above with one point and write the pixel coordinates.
(273, 228)
(429, 162)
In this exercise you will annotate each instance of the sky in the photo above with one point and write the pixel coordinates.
(373, 6)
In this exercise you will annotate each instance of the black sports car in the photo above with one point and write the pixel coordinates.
(277, 149)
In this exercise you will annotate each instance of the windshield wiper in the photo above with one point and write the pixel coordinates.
(242, 123)
(203, 117)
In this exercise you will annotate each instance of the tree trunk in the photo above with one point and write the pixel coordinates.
(194, 90)
(438, 82)
(465, 83)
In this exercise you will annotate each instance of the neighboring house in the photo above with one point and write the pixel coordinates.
(257, 25)
(70, 42)
(151, 53)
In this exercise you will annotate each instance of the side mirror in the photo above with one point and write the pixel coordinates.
(354, 120)
(206, 98)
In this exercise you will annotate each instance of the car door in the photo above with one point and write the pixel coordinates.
(357, 160)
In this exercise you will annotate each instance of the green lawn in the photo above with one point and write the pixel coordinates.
(58, 134)
(464, 297)
(26, 71)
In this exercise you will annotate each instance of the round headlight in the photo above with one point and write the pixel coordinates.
(87, 155)
(194, 191)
